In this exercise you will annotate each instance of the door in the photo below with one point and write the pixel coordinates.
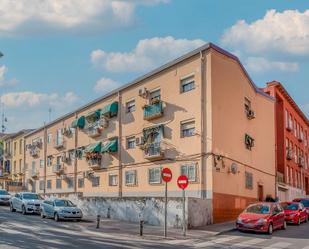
(276, 216)
(260, 192)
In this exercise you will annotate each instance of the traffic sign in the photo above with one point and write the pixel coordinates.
(166, 174)
(182, 182)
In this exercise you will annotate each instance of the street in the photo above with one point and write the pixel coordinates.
(18, 231)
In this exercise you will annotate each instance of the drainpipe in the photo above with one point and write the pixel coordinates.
(203, 126)
(75, 158)
(120, 143)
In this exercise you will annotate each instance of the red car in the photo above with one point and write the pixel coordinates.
(262, 217)
(305, 202)
(295, 212)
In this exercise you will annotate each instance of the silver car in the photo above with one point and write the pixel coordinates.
(60, 209)
(26, 202)
(4, 197)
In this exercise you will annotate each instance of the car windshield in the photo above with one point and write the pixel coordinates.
(289, 206)
(3, 192)
(258, 209)
(64, 203)
(31, 197)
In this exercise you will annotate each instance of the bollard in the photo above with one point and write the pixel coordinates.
(98, 221)
(141, 226)
(108, 216)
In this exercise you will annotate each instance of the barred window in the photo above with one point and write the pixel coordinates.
(131, 177)
(96, 181)
(189, 170)
(154, 175)
(113, 180)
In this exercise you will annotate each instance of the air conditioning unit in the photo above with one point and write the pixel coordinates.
(250, 114)
(139, 141)
(143, 92)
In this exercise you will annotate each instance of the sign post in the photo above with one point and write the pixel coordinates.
(182, 183)
(166, 175)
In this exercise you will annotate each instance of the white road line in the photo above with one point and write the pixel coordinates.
(248, 243)
(217, 241)
(278, 245)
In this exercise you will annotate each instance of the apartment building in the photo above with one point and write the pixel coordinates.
(292, 130)
(200, 115)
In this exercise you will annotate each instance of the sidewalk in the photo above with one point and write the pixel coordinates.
(123, 228)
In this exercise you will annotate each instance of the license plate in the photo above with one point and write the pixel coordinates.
(249, 225)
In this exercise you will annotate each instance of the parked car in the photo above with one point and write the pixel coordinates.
(262, 217)
(60, 209)
(26, 202)
(305, 202)
(4, 197)
(295, 212)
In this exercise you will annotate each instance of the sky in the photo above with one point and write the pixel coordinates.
(61, 54)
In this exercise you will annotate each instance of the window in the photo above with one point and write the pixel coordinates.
(58, 183)
(49, 160)
(247, 105)
(131, 177)
(59, 138)
(81, 183)
(155, 96)
(49, 138)
(95, 181)
(130, 142)
(286, 118)
(188, 129)
(70, 182)
(14, 169)
(113, 180)
(49, 184)
(42, 185)
(154, 175)
(41, 163)
(249, 180)
(249, 142)
(20, 165)
(58, 159)
(130, 106)
(20, 146)
(15, 148)
(189, 170)
(187, 84)
(295, 128)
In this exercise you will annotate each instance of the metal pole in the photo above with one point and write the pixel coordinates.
(98, 221)
(183, 213)
(165, 212)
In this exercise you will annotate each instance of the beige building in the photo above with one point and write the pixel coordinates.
(200, 115)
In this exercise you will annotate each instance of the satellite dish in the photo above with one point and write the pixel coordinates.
(234, 168)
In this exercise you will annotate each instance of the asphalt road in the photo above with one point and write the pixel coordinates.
(30, 231)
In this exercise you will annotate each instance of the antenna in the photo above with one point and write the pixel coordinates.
(49, 114)
(3, 119)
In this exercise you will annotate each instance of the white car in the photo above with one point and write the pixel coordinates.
(4, 197)
(26, 202)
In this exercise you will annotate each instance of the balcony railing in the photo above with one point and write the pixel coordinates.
(34, 152)
(59, 144)
(95, 130)
(58, 169)
(34, 174)
(95, 163)
(153, 151)
(153, 111)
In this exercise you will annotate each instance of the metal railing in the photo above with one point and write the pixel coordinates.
(154, 110)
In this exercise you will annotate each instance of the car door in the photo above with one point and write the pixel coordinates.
(49, 208)
(275, 216)
(17, 202)
(302, 212)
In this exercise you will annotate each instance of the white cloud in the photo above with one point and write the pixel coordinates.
(105, 85)
(34, 16)
(3, 81)
(260, 64)
(32, 99)
(147, 54)
(286, 32)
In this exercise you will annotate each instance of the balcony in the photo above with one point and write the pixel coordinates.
(58, 169)
(34, 152)
(95, 163)
(34, 174)
(154, 110)
(60, 144)
(301, 161)
(153, 151)
(289, 154)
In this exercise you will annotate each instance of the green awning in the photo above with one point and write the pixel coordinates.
(93, 115)
(79, 122)
(93, 148)
(110, 146)
(110, 110)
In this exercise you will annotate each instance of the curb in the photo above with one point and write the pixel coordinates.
(226, 231)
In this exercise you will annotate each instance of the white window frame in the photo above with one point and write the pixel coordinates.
(157, 173)
(188, 80)
(113, 180)
(183, 129)
(133, 173)
(41, 163)
(131, 139)
(49, 138)
(184, 170)
(130, 106)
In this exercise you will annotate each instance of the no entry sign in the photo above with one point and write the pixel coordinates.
(182, 182)
(166, 174)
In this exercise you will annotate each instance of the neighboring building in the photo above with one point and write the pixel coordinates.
(200, 115)
(7, 156)
(292, 131)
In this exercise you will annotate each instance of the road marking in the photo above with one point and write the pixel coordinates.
(278, 245)
(216, 241)
(249, 242)
(178, 241)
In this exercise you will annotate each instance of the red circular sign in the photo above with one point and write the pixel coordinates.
(182, 182)
(166, 174)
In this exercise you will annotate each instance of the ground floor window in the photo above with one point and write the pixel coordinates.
(249, 180)
(70, 182)
(81, 182)
(154, 175)
(42, 185)
(49, 184)
(95, 181)
(131, 177)
(58, 183)
(113, 180)
(189, 170)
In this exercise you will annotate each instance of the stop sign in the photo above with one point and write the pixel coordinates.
(182, 182)
(166, 174)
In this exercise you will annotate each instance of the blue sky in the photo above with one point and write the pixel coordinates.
(62, 54)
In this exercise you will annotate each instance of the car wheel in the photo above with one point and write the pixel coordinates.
(284, 225)
(11, 208)
(56, 217)
(23, 210)
(42, 214)
(270, 229)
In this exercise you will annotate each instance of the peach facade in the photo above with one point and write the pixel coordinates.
(188, 115)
